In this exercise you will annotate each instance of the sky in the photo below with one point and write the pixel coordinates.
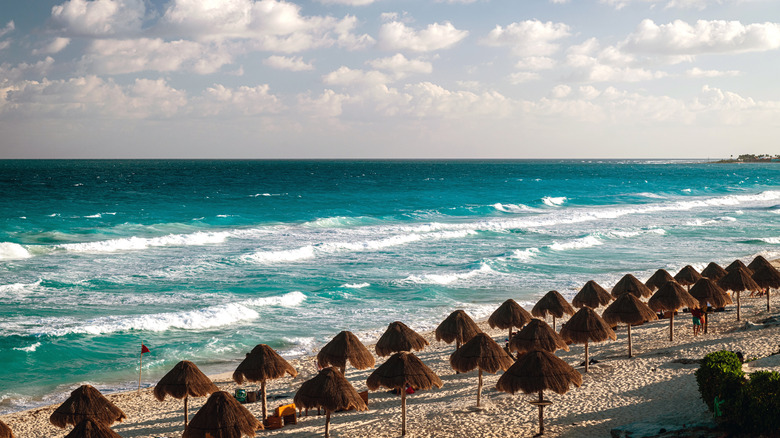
(389, 78)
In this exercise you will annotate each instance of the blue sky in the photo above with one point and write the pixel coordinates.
(389, 78)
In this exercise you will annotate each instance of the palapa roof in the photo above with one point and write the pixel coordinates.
(759, 262)
(671, 296)
(401, 369)
(687, 276)
(738, 264)
(330, 390)
(508, 315)
(89, 428)
(713, 271)
(707, 291)
(86, 402)
(539, 370)
(344, 347)
(458, 326)
(767, 276)
(399, 337)
(630, 285)
(5, 431)
(658, 279)
(263, 363)
(591, 295)
(586, 326)
(481, 352)
(184, 379)
(737, 280)
(537, 335)
(552, 303)
(222, 416)
(628, 309)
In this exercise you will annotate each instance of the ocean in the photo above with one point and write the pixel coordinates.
(202, 260)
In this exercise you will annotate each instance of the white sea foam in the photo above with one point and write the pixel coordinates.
(139, 243)
(12, 251)
(29, 348)
(633, 233)
(17, 288)
(287, 255)
(356, 285)
(512, 208)
(444, 279)
(554, 201)
(525, 255)
(772, 240)
(651, 195)
(585, 242)
(290, 299)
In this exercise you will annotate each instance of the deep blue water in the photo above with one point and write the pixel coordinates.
(201, 260)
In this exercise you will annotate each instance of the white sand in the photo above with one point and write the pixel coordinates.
(647, 388)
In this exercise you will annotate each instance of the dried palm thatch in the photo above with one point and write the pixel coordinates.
(671, 297)
(537, 371)
(738, 280)
(552, 303)
(5, 431)
(714, 272)
(767, 277)
(399, 337)
(483, 353)
(509, 315)
(591, 295)
(759, 262)
(738, 264)
(400, 370)
(707, 291)
(629, 310)
(457, 327)
(261, 365)
(89, 428)
(182, 381)
(586, 326)
(330, 390)
(630, 285)
(537, 335)
(344, 347)
(687, 276)
(658, 279)
(86, 402)
(222, 416)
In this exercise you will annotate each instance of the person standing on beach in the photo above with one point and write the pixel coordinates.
(696, 314)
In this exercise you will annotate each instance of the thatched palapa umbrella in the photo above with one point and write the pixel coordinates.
(86, 402)
(758, 263)
(687, 276)
(629, 310)
(537, 335)
(399, 371)
(707, 291)
(767, 277)
(509, 315)
(671, 297)
(399, 337)
(457, 327)
(537, 371)
(591, 295)
(658, 279)
(630, 285)
(89, 428)
(585, 326)
(183, 381)
(263, 364)
(331, 391)
(222, 416)
(483, 353)
(344, 347)
(738, 280)
(553, 304)
(738, 264)
(5, 431)
(714, 272)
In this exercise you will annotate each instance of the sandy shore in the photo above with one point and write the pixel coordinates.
(651, 387)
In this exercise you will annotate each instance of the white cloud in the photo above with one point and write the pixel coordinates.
(589, 92)
(99, 17)
(670, 4)
(590, 63)
(144, 54)
(328, 104)
(397, 36)
(535, 63)
(718, 36)
(347, 2)
(4, 44)
(55, 46)
(699, 73)
(523, 76)
(348, 77)
(295, 63)
(560, 91)
(8, 28)
(400, 66)
(10, 74)
(429, 100)
(243, 100)
(529, 38)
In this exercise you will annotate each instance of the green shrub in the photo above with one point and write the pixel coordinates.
(756, 408)
(720, 374)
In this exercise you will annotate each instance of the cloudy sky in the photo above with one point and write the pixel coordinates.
(389, 78)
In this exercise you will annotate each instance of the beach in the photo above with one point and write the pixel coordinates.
(657, 387)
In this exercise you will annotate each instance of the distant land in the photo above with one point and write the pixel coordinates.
(752, 158)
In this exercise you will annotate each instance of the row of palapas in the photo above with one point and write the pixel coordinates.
(537, 368)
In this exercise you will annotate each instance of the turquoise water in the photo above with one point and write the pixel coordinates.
(202, 260)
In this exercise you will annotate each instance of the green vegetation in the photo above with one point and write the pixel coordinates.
(752, 158)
